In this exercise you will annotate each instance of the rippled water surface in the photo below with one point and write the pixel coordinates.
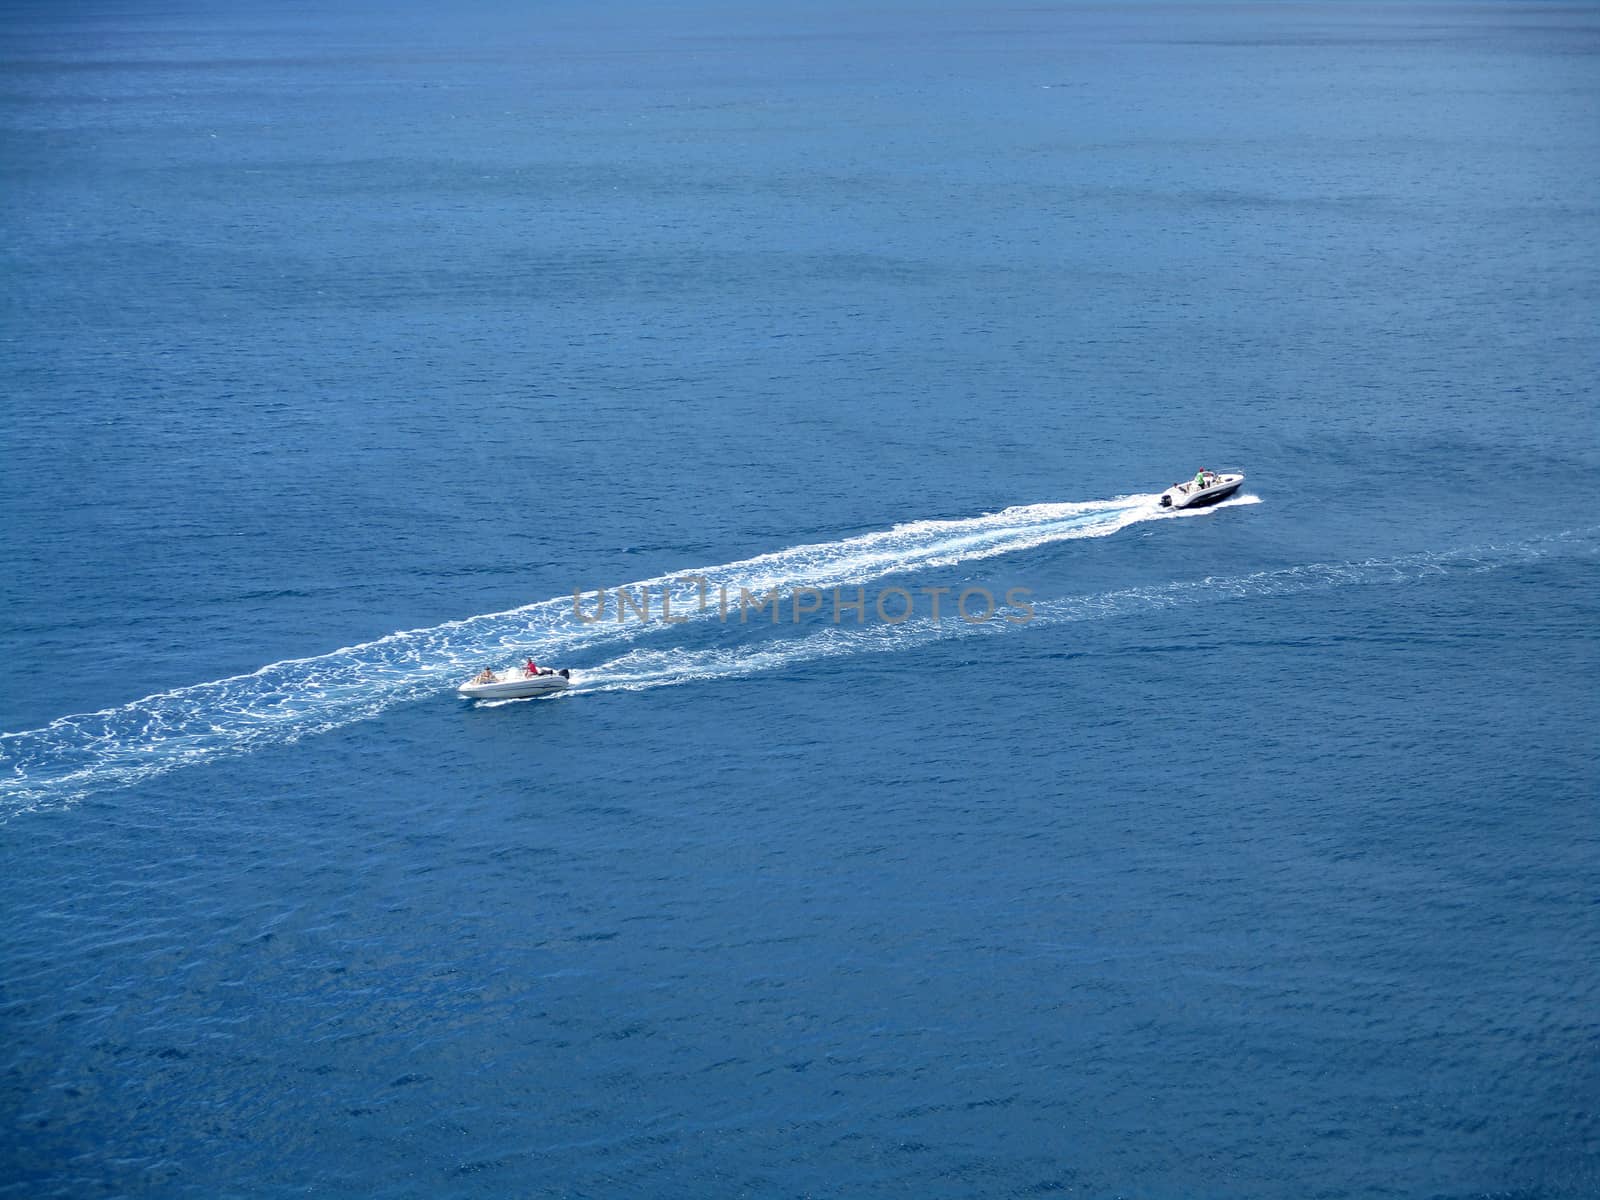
(342, 344)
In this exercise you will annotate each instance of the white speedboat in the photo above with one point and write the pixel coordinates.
(1207, 487)
(515, 683)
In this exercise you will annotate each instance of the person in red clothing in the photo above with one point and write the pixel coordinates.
(533, 667)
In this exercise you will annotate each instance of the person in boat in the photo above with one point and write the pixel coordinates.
(1200, 477)
(532, 668)
(485, 676)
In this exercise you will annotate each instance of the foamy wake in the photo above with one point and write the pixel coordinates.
(642, 669)
(285, 701)
(87, 753)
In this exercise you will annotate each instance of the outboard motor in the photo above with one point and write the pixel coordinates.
(564, 673)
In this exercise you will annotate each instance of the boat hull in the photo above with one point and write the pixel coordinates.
(1184, 495)
(523, 688)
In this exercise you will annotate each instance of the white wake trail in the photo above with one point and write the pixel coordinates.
(645, 669)
(77, 755)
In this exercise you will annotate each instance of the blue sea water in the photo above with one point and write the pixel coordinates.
(343, 342)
